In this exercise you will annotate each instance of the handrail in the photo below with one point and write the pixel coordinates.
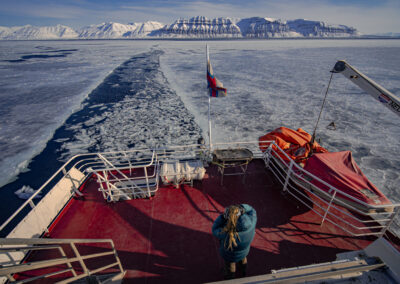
(47, 241)
(295, 173)
(30, 199)
(83, 161)
(70, 163)
(33, 244)
(299, 168)
(112, 192)
(89, 162)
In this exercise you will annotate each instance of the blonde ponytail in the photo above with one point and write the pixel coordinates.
(230, 227)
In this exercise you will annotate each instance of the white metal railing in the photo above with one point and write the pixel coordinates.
(115, 183)
(367, 220)
(117, 163)
(62, 261)
(89, 163)
(84, 163)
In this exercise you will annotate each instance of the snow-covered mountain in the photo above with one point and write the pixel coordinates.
(320, 29)
(31, 33)
(196, 27)
(116, 30)
(200, 27)
(257, 27)
(144, 29)
(106, 30)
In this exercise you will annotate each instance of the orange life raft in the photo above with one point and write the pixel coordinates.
(295, 143)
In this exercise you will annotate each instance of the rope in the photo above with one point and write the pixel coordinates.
(320, 112)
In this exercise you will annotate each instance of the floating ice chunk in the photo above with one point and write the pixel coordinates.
(26, 192)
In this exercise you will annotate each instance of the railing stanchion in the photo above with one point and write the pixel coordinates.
(288, 174)
(78, 255)
(68, 264)
(110, 194)
(54, 262)
(301, 179)
(31, 204)
(329, 206)
(147, 182)
(117, 257)
(267, 155)
(390, 222)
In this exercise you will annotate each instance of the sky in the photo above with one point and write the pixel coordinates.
(367, 16)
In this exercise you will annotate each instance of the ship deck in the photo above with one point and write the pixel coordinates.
(168, 239)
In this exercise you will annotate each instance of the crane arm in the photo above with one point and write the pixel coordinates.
(382, 95)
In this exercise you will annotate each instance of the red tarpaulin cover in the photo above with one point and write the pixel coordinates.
(341, 171)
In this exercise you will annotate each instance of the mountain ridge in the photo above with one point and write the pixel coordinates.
(199, 27)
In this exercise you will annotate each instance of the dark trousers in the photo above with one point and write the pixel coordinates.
(230, 268)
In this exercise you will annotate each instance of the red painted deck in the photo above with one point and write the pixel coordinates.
(168, 239)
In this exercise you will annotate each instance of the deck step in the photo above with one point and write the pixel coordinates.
(329, 270)
(113, 278)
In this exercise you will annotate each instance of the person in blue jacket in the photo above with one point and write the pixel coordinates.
(235, 230)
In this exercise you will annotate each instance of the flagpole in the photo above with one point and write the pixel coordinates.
(209, 105)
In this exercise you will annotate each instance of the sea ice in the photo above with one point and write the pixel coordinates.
(38, 93)
(270, 84)
(282, 83)
(26, 192)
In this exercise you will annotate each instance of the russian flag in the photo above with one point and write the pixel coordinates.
(215, 86)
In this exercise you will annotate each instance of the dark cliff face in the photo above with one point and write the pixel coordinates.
(202, 27)
(263, 28)
(256, 27)
(320, 29)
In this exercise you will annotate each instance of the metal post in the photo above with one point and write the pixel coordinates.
(74, 188)
(209, 105)
(329, 206)
(147, 182)
(129, 163)
(390, 222)
(31, 204)
(105, 173)
(268, 153)
(209, 122)
(68, 263)
(77, 254)
(99, 181)
(289, 173)
(116, 256)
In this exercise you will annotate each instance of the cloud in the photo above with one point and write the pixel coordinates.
(366, 16)
(43, 10)
(190, 9)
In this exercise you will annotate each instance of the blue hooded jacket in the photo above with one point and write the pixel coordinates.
(245, 227)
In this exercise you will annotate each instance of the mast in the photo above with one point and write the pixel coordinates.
(209, 104)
